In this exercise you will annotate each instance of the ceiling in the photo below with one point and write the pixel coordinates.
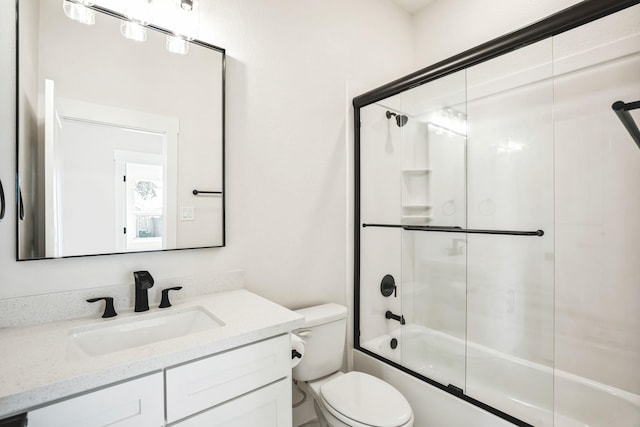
(412, 6)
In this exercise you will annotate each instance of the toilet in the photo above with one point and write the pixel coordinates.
(352, 399)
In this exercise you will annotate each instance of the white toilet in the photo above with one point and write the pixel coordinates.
(354, 399)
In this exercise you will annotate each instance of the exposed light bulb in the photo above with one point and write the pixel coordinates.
(177, 44)
(133, 31)
(79, 11)
(187, 5)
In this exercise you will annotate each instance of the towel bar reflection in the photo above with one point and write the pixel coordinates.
(198, 192)
(622, 111)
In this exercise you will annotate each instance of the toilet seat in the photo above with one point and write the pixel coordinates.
(359, 399)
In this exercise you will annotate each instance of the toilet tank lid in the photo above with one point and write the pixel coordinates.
(321, 314)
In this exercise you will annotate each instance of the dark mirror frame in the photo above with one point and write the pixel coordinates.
(19, 203)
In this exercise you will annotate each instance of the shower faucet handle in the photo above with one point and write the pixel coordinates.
(388, 286)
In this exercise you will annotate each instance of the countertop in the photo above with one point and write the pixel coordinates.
(35, 367)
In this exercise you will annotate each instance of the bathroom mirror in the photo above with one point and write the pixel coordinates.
(120, 142)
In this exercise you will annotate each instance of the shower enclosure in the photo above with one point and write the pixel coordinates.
(496, 236)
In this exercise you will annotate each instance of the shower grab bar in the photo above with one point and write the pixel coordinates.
(622, 111)
(448, 229)
(196, 192)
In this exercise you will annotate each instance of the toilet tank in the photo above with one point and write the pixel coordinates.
(323, 334)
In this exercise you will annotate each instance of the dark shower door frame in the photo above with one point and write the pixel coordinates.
(565, 20)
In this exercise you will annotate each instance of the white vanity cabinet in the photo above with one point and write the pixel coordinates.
(269, 406)
(199, 385)
(135, 403)
(246, 386)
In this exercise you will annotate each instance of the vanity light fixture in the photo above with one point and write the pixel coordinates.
(185, 26)
(177, 44)
(183, 14)
(186, 5)
(133, 31)
(139, 14)
(78, 10)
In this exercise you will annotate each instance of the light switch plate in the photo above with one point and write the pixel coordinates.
(187, 214)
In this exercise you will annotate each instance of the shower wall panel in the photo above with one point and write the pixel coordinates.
(597, 203)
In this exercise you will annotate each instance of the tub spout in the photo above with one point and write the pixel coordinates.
(390, 315)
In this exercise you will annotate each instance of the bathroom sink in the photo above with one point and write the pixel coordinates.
(140, 329)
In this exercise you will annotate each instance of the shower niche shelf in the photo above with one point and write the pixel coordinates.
(416, 219)
(416, 206)
(416, 214)
(416, 209)
(416, 170)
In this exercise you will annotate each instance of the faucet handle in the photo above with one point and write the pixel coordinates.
(109, 311)
(164, 302)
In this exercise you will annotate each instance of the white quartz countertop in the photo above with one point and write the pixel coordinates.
(36, 368)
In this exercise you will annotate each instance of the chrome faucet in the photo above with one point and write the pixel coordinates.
(144, 281)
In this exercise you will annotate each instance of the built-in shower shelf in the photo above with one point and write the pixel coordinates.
(415, 217)
(416, 170)
(416, 206)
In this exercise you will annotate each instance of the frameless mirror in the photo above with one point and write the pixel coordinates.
(120, 142)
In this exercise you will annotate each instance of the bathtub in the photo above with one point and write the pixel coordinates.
(535, 393)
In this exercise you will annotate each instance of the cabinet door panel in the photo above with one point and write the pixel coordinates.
(136, 403)
(269, 406)
(200, 385)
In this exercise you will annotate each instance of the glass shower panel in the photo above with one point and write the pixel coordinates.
(510, 278)
(597, 316)
(380, 243)
(434, 263)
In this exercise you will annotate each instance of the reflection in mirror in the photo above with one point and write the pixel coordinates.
(114, 135)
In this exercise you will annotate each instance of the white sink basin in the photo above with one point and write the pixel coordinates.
(140, 329)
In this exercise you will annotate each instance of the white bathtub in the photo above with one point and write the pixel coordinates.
(532, 392)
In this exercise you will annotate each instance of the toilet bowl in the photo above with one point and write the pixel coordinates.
(356, 399)
(352, 399)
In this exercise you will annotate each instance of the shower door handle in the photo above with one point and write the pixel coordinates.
(2, 201)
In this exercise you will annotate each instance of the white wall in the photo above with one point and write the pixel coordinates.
(447, 27)
(287, 72)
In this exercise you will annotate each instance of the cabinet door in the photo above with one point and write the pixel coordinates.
(200, 385)
(136, 403)
(269, 406)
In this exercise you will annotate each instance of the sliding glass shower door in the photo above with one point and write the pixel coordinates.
(434, 264)
(457, 225)
(510, 278)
